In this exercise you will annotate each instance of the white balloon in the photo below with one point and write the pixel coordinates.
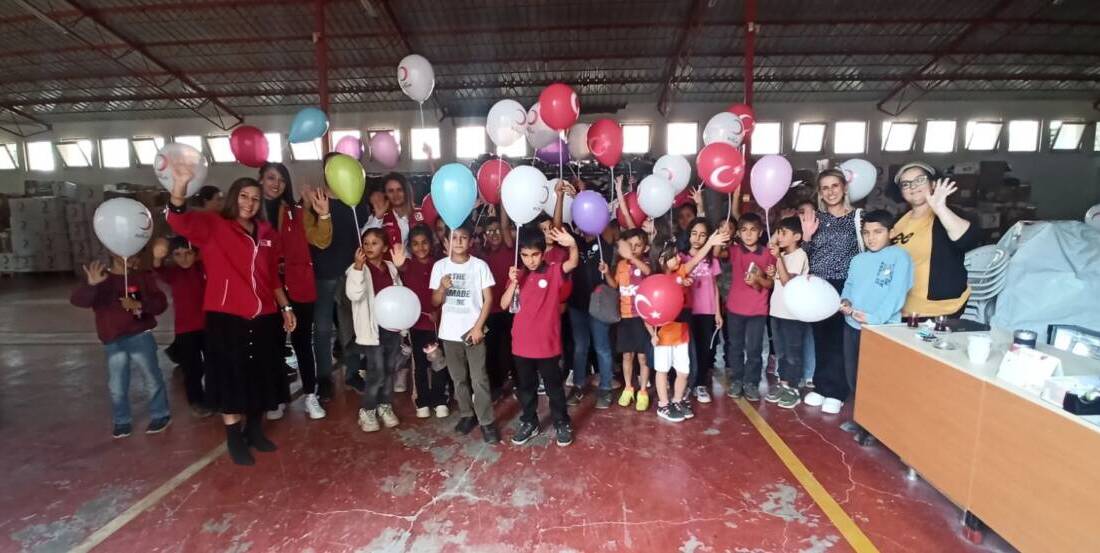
(416, 77)
(724, 127)
(523, 193)
(552, 202)
(396, 308)
(578, 142)
(506, 123)
(175, 153)
(538, 133)
(655, 196)
(1092, 217)
(810, 298)
(123, 225)
(675, 169)
(861, 176)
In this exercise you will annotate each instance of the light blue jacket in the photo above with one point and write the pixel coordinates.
(877, 285)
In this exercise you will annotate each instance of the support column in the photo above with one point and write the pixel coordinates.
(320, 51)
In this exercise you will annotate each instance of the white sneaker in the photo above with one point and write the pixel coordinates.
(277, 414)
(313, 407)
(423, 412)
(401, 381)
(813, 399)
(385, 412)
(368, 421)
(831, 406)
(442, 412)
(702, 394)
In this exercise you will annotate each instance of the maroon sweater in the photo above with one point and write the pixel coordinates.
(111, 320)
(188, 286)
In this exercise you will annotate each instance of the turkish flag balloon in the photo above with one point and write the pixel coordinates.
(428, 212)
(605, 141)
(748, 117)
(489, 177)
(659, 299)
(249, 146)
(721, 166)
(636, 213)
(559, 106)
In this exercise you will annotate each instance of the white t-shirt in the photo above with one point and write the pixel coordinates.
(796, 263)
(462, 305)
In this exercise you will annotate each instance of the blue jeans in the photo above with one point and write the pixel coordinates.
(323, 328)
(139, 350)
(587, 330)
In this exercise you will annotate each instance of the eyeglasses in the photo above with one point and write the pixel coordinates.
(913, 184)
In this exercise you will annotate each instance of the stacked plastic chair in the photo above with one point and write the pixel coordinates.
(987, 271)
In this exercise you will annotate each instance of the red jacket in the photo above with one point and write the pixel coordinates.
(393, 230)
(111, 320)
(242, 272)
(187, 293)
(294, 253)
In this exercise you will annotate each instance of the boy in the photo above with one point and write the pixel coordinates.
(878, 282)
(188, 282)
(671, 352)
(536, 332)
(498, 252)
(790, 333)
(632, 338)
(747, 306)
(463, 286)
(123, 320)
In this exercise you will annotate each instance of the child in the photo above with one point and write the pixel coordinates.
(878, 281)
(123, 320)
(431, 386)
(188, 282)
(379, 348)
(463, 286)
(747, 305)
(499, 254)
(536, 331)
(632, 338)
(790, 333)
(670, 352)
(807, 209)
(701, 265)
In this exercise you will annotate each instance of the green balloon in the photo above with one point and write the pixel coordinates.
(346, 178)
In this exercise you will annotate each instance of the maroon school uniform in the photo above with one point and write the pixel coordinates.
(499, 261)
(188, 286)
(536, 330)
(744, 299)
(380, 277)
(111, 320)
(417, 276)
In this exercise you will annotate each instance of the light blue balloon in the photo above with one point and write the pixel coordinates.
(454, 191)
(310, 123)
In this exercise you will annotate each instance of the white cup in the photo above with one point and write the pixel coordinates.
(978, 348)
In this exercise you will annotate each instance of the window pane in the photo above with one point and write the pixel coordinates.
(635, 139)
(76, 153)
(220, 149)
(515, 150)
(850, 137)
(898, 136)
(274, 147)
(682, 138)
(114, 153)
(767, 139)
(1023, 136)
(469, 142)
(146, 148)
(40, 156)
(420, 137)
(335, 136)
(9, 156)
(306, 151)
(982, 135)
(1066, 135)
(809, 137)
(939, 136)
(193, 141)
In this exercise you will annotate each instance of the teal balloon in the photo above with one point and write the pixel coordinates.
(454, 191)
(310, 123)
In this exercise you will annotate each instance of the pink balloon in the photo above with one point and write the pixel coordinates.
(383, 149)
(350, 146)
(770, 179)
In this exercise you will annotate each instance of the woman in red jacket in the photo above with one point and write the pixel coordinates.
(243, 300)
(298, 226)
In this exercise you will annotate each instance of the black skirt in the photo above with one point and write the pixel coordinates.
(244, 368)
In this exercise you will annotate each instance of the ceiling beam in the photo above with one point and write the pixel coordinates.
(679, 56)
(19, 123)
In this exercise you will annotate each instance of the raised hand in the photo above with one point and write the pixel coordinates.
(809, 226)
(941, 189)
(181, 177)
(561, 237)
(318, 201)
(719, 238)
(697, 196)
(398, 254)
(96, 272)
(624, 250)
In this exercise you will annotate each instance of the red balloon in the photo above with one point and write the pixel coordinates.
(559, 106)
(605, 141)
(428, 212)
(249, 146)
(489, 177)
(659, 299)
(746, 115)
(683, 198)
(721, 166)
(636, 213)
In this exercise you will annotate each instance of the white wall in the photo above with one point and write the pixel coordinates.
(1064, 183)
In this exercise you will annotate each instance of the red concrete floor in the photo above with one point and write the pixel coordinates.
(629, 483)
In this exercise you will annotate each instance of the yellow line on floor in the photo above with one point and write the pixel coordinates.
(840, 519)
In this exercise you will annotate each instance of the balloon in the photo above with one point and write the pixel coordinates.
(175, 153)
(396, 308)
(770, 180)
(655, 196)
(383, 148)
(416, 77)
(350, 146)
(490, 176)
(590, 212)
(345, 177)
(310, 123)
(538, 134)
(428, 212)
(454, 192)
(747, 116)
(861, 176)
(557, 152)
(675, 169)
(578, 142)
(659, 299)
(560, 106)
(724, 127)
(249, 146)
(506, 123)
(552, 202)
(523, 193)
(605, 140)
(721, 166)
(123, 225)
(683, 198)
(636, 213)
(810, 298)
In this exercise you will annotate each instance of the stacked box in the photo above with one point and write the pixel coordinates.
(39, 235)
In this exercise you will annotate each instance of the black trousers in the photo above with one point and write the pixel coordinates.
(431, 386)
(851, 355)
(746, 341)
(528, 372)
(829, 378)
(498, 345)
(189, 354)
(790, 334)
(702, 333)
(302, 340)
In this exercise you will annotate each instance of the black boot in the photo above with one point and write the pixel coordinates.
(490, 434)
(238, 448)
(254, 434)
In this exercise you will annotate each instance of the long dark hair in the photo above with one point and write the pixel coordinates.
(288, 191)
(232, 210)
(685, 243)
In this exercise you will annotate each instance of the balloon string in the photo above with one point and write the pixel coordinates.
(561, 143)
(358, 231)
(126, 276)
(516, 263)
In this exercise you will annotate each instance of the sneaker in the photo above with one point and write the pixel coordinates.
(752, 392)
(465, 425)
(789, 398)
(603, 399)
(385, 412)
(368, 421)
(850, 427)
(670, 413)
(808, 384)
(442, 412)
(734, 390)
(401, 381)
(773, 394)
(702, 394)
(564, 434)
(277, 413)
(641, 400)
(831, 405)
(423, 412)
(313, 407)
(542, 387)
(575, 396)
(686, 410)
(626, 397)
(156, 426)
(813, 399)
(490, 434)
(122, 430)
(525, 432)
(200, 411)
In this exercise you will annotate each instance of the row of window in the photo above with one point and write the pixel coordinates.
(847, 138)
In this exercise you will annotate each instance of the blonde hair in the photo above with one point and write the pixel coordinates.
(839, 175)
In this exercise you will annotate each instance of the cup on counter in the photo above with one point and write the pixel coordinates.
(978, 348)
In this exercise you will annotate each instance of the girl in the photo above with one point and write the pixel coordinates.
(431, 386)
(702, 266)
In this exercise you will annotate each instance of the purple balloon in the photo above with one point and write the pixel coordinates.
(590, 212)
(350, 146)
(556, 152)
(770, 180)
(383, 148)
